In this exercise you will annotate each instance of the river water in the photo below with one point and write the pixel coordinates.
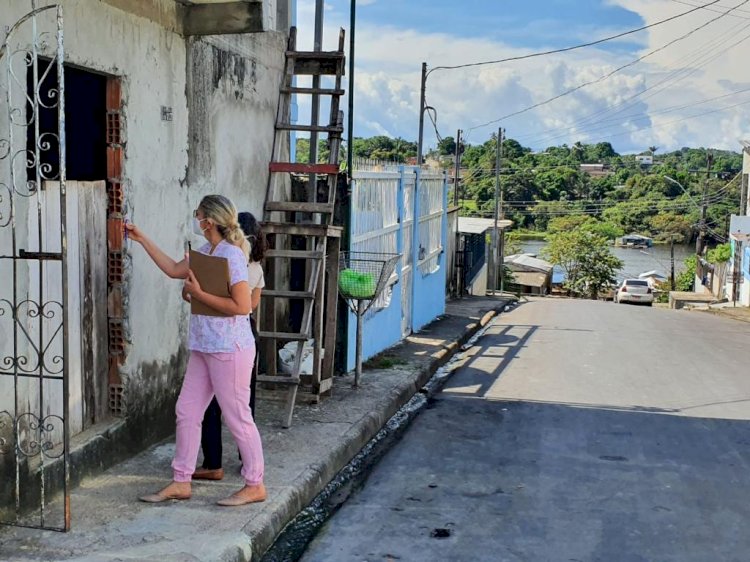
(635, 261)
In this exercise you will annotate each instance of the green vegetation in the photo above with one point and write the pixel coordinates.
(684, 280)
(720, 254)
(550, 192)
(590, 268)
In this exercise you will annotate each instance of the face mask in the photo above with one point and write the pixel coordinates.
(197, 230)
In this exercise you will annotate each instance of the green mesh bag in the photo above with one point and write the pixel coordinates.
(353, 284)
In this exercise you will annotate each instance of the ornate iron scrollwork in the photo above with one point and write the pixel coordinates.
(36, 435)
(7, 432)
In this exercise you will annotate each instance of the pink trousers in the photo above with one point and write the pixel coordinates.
(227, 376)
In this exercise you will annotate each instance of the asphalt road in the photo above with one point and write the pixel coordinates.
(575, 431)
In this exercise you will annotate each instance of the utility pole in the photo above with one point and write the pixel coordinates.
(701, 243)
(671, 262)
(456, 177)
(501, 211)
(350, 142)
(423, 87)
(494, 268)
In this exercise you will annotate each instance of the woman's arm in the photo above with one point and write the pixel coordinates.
(255, 298)
(237, 304)
(173, 269)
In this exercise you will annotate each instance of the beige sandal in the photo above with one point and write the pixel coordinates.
(248, 494)
(175, 491)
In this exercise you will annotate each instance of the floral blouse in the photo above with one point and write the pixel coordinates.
(222, 334)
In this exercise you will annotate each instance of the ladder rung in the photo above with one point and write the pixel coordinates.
(301, 254)
(309, 128)
(297, 168)
(318, 91)
(299, 207)
(279, 379)
(316, 55)
(291, 336)
(288, 294)
(302, 229)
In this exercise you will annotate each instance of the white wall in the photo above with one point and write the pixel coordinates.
(231, 85)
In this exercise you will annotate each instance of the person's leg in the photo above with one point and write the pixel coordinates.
(211, 436)
(231, 382)
(254, 373)
(194, 397)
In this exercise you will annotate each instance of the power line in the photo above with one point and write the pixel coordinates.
(671, 79)
(609, 74)
(708, 8)
(574, 47)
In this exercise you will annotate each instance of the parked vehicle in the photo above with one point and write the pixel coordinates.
(635, 291)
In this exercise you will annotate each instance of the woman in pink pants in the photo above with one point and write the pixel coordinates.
(222, 349)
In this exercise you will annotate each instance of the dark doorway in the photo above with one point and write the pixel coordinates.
(85, 122)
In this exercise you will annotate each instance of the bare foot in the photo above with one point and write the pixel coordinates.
(175, 491)
(248, 494)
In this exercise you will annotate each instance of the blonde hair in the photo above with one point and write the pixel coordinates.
(223, 213)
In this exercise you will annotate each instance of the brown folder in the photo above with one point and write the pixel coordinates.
(213, 275)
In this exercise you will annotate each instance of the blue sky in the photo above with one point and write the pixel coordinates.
(665, 100)
(522, 23)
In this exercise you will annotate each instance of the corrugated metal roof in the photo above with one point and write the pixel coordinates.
(476, 225)
(525, 260)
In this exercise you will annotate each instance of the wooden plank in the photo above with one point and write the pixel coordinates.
(278, 379)
(290, 336)
(222, 18)
(314, 91)
(309, 128)
(316, 55)
(294, 254)
(302, 229)
(331, 313)
(297, 168)
(279, 294)
(325, 385)
(299, 207)
(318, 324)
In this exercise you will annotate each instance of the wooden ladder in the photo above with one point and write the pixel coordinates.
(287, 221)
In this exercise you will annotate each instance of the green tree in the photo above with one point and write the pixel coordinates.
(668, 225)
(585, 257)
(447, 146)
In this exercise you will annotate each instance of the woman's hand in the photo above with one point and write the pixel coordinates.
(134, 233)
(185, 296)
(192, 287)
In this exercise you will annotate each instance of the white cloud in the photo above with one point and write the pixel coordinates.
(389, 58)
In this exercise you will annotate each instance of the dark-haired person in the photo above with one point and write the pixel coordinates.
(211, 468)
(221, 348)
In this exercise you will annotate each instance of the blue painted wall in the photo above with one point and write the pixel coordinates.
(382, 329)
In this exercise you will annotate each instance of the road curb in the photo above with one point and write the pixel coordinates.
(348, 465)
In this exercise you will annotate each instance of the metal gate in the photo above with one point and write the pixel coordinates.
(34, 436)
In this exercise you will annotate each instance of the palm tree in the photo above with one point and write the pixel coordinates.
(653, 149)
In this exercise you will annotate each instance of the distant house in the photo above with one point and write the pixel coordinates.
(738, 268)
(534, 275)
(596, 170)
(634, 241)
(645, 159)
(473, 247)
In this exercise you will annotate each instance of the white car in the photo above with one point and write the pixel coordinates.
(635, 291)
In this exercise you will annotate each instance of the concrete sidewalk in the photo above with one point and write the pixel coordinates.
(110, 524)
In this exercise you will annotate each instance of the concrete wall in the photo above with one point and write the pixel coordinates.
(223, 94)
